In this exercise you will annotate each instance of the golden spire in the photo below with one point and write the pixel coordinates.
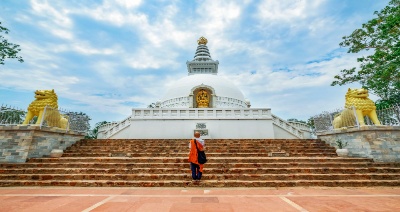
(202, 40)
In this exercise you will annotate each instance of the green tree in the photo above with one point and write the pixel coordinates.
(379, 72)
(8, 50)
(10, 115)
(310, 122)
(95, 131)
(78, 121)
(152, 105)
(296, 120)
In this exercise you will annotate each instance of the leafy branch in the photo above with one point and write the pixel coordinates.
(8, 50)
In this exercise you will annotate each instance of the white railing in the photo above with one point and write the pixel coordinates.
(287, 126)
(110, 129)
(201, 113)
(300, 125)
(108, 126)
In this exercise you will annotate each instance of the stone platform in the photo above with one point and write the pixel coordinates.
(18, 143)
(380, 143)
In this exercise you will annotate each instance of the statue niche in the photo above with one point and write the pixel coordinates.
(203, 99)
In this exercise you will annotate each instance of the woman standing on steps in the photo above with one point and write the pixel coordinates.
(195, 166)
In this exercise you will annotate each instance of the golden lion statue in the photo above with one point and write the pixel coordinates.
(45, 98)
(363, 105)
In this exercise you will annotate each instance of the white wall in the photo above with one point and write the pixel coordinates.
(183, 129)
(282, 134)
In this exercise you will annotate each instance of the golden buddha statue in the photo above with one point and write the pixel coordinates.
(203, 99)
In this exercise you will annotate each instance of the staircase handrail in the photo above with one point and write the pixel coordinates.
(111, 129)
(300, 125)
(107, 126)
(287, 126)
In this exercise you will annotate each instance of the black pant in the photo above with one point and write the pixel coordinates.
(196, 174)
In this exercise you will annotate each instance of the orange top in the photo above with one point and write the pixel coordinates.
(193, 153)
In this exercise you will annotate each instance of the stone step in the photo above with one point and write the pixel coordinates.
(203, 183)
(185, 148)
(220, 160)
(216, 170)
(219, 141)
(186, 176)
(186, 151)
(209, 155)
(211, 150)
(209, 146)
(231, 163)
(184, 165)
(208, 143)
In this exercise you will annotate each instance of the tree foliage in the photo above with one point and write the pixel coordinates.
(95, 131)
(8, 50)
(296, 120)
(78, 121)
(310, 123)
(152, 105)
(387, 103)
(379, 72)
(10, 115)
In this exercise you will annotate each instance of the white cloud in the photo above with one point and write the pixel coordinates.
(85, 48)
(111, 15)
(129, 3)
(109, 73)
(217, 16)
(158, 39)
(150, 57)
(55, 21)
(287, 11)
(61, 33)
(36, 54)
(300, 76)
(58, 17)
(34, 79)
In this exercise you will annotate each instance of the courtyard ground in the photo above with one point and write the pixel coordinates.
(198, 199)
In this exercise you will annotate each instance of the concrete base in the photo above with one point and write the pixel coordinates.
(18, 143)
(183, 129)
(381, 143)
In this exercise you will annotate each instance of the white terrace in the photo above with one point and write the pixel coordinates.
(254, 123)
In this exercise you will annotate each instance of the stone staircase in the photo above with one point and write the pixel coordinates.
(231, 163)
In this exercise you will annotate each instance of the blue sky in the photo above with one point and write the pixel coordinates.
(106, 57)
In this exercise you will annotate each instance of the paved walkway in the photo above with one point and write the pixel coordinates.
(198, 199)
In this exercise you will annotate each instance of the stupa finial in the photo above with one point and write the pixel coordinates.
(202, 40)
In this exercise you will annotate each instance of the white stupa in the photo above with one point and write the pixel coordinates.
(203, 75)
(204, 102)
